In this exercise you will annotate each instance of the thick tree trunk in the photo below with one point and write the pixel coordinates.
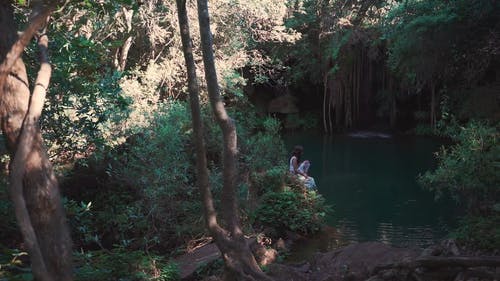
(33, 185)
(240, 263)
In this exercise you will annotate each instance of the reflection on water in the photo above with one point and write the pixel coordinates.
(388, 233)
(371, 183)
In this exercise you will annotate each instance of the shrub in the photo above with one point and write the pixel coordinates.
(12, 265)
(159, 168)
(120, 265)
(264, 154)
(264, 149)
(270, 180)
(289, 210)
(482, 232)
(7, 217)
(145, 198)
(148, 198)
(213, 268)
(468, 169)
(424, 129)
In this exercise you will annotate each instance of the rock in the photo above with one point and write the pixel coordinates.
(450, 247)
(375, 278)
(280, 272)
(212, 278)
(356, 262)
(447, 247)
(281, 245)
(433, 250)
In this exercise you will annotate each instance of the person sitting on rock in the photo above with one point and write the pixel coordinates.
(301, 170)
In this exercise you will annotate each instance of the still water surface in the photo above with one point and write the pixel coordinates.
(371, 182)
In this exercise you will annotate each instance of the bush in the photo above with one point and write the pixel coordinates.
(263, 153)
(103, 265)
(264, 149)
(213, 268)
(7, 217)
(159, 167)
(271, 180)
(289, 210)
(479, 231)
(12, 265)
(150, 198)
(424, 129)
(122, 265)
(468, 169)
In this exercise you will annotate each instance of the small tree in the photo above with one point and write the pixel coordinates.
(239, 261)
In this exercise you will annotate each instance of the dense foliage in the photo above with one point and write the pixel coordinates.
(443, 40)
(468, 171)
(390, 62)
(119, 132)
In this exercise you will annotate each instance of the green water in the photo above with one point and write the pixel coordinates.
(371, 183)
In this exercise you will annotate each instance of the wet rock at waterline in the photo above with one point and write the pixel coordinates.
(353, 262)
(375, 261)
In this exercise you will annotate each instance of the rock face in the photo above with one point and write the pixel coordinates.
(369, 261)
(354, 263)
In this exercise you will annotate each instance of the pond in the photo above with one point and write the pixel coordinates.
(370, 179)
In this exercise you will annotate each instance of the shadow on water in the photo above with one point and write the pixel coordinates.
(370, 179)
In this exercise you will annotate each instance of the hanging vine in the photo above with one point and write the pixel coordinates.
(345, 72)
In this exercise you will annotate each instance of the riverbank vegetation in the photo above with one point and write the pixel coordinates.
(116, 133)
(468, 171)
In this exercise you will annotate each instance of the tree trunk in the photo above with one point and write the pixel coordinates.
(33, 185)
(240, 263)
(332, 102)
(348, 100)
(392, 108)
(121, 54)
(201, 160)
(325, 93)
(433, 106)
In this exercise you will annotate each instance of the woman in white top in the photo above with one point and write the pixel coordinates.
(300, 170)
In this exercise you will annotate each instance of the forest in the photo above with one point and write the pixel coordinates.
(151, 139)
